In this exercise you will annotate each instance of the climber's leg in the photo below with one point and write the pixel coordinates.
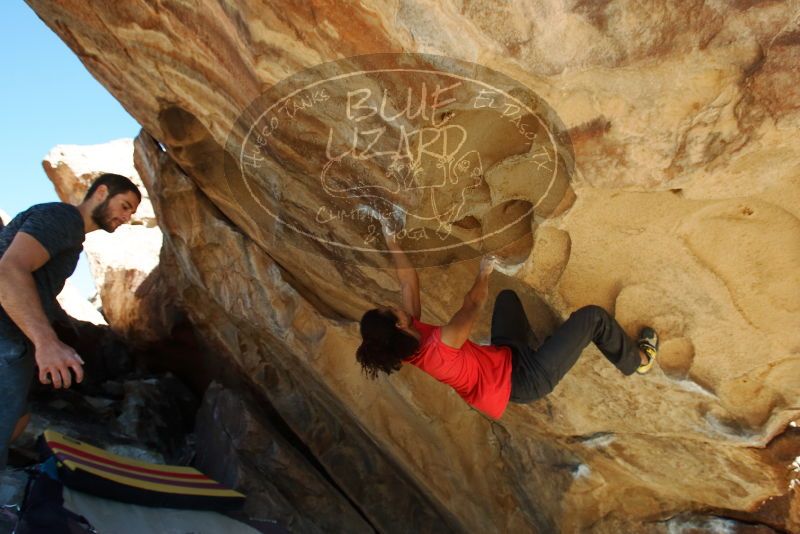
(560, 351)
(510, 328)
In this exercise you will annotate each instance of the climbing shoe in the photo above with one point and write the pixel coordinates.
(648, 343)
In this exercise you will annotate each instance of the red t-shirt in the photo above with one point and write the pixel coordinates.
(480, 374)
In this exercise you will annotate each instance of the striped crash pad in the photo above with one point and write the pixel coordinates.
(98, 472)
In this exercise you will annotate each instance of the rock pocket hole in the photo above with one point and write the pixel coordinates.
(506, 230)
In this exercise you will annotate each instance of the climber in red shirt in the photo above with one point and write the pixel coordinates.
(488, 377)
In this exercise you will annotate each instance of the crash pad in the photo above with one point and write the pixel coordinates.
(93, 470)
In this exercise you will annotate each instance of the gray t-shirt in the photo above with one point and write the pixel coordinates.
(59, 228)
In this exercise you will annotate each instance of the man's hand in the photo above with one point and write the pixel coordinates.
(390, 228)
(487, 265)
(389, 233)
(56, 359)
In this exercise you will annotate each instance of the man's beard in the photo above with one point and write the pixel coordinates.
(102, 218)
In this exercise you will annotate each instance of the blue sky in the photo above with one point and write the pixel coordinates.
(47, 97)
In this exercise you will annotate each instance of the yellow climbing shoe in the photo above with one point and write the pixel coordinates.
(648, 343)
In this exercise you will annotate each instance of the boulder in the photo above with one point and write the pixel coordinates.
(73, 168)
(77, 306)
(681, 212)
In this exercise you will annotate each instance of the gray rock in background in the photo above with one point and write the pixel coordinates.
(238, 445)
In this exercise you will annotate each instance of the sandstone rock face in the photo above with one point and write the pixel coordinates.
(682, 213)
(273, 336)
(238, 445)
(124, 264)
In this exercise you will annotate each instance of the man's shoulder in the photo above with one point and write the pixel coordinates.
(56, 225)
(56, 208)
(57, 213)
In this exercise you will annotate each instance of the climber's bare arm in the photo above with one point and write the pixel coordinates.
(407, 275)
(457, 331)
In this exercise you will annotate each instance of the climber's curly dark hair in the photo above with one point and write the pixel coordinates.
(384, 346)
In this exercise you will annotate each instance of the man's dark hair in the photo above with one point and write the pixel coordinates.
(384, 346)
(115, 183)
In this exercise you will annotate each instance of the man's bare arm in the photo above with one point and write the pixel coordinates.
(457, 331)
(407, 275)
(20, 300)
(18, 294)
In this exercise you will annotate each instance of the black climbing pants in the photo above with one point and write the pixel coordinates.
(536, 372)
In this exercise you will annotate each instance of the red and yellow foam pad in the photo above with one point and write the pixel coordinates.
(93, 470)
